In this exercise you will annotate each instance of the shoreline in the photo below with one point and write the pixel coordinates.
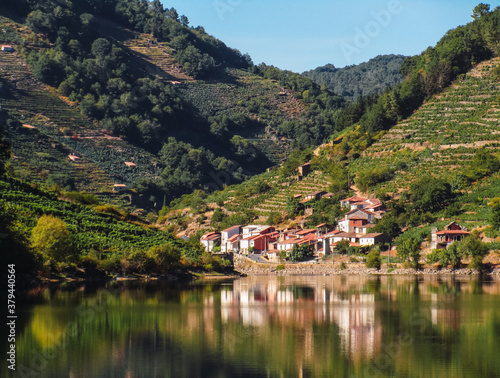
(325, 270)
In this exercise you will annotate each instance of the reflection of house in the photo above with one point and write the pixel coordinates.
(443, 239)
(210, 241)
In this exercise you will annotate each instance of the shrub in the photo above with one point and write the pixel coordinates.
(374, 260)
(166, 257)
(280, 267)
(52, 238)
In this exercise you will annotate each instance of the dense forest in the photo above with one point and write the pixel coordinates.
(360, 80)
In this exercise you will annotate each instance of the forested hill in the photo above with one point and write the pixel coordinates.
(139, 97)
(364, 79)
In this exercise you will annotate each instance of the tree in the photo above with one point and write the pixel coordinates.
(480, 10)
(301, 253)
(409, 250)
(495, 212)
(165, 256)
(374, 260)
(293, 206)
(473, 247)
(101, 48)
(430, 194)
(52, 238)
(343, 246)
(388, 225)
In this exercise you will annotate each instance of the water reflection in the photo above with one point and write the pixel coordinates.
(260, 326)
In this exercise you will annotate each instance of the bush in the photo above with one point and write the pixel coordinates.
(166, 257)
(52, 238)
(374, 260)
(280, 267)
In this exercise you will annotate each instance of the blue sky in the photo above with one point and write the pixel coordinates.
(302, 35)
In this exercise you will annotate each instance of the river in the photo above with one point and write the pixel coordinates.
(307, 326)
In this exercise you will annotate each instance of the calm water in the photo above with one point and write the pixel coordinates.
(262, 327)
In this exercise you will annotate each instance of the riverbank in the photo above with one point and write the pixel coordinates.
(344, 266)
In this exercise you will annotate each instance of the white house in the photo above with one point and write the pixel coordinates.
(227, 234)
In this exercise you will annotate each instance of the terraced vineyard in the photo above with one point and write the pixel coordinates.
(315, 182)
(59, 129)
(443, 135)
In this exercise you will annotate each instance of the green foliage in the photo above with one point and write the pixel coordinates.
(430, 194)
(495, 212)
(447, 256)
(280, 267)
(388, 225)
(52, 238)
(343, 246)
(301, 253)
(165, 256)
(374, 260)
(293, 206)
(473, 247)
(368, 178)
(361, 80)
(409, 250)
(483, 164)
(218, 215)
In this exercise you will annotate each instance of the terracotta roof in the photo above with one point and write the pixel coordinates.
(211, 236)
(234, 238)
(321, 225)
(231, 228)
(356, 210)
(305, 232)
(453, 232)
(354, 199)
(346, 235)
(130, 164)
(370, 236)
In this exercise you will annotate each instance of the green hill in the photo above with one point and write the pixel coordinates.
(130, 82)
(363, 79)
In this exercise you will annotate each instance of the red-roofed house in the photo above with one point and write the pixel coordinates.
(130, 164)
(452, 232)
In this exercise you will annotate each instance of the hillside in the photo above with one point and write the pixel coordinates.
(157, 106)
(440, 138)
(364, 79)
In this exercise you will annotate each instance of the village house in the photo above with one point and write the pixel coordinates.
(256, 238)
(119, 187)
(7, 48)
(312, 197)
(210, 241)
(443, 239)
(304, 170)
(230, 233)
